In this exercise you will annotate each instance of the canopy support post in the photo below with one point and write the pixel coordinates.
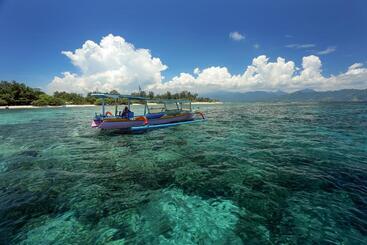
(103, 109)
(116, 107)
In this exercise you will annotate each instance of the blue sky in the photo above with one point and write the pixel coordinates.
(183, 34)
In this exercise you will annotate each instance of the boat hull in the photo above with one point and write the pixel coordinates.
(120, 123)
(171, 119)
(117, 124)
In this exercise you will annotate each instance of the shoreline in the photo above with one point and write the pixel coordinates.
(12, 107)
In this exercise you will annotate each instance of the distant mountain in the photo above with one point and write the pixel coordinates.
(332, 96)
(305, 95)
(307, 90)
(254, 96)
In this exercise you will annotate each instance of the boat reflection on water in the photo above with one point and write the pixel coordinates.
(157, 114)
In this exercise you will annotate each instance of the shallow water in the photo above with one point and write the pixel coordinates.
(254, 173)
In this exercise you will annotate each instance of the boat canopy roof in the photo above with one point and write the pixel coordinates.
(131, 97)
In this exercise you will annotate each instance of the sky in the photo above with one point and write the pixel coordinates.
(201, 45)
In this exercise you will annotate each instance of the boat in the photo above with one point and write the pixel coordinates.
(158, 113)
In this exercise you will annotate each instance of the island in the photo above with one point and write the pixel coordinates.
(18, 95)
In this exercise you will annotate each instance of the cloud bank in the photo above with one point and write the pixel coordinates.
(117, 64)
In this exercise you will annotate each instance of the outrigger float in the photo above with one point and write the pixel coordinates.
(157, 114)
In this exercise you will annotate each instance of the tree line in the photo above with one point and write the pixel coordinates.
(14, 93)
(184, 95)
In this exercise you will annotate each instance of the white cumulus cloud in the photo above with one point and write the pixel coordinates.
(267, 75)
(236, 36)
(111, 64)
(117, 64)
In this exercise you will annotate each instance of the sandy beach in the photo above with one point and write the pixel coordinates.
(207, 103)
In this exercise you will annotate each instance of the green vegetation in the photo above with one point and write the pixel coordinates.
(14, 93)
(71, 98)
(45, 99)
(75, 99)
(184, 95)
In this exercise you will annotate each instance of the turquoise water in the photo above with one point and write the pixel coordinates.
(252, 174)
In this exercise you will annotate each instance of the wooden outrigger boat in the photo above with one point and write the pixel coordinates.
(157, 114)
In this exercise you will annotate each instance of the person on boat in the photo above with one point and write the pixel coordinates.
(126, 112)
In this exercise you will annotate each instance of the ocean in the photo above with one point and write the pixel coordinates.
(254, 173)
